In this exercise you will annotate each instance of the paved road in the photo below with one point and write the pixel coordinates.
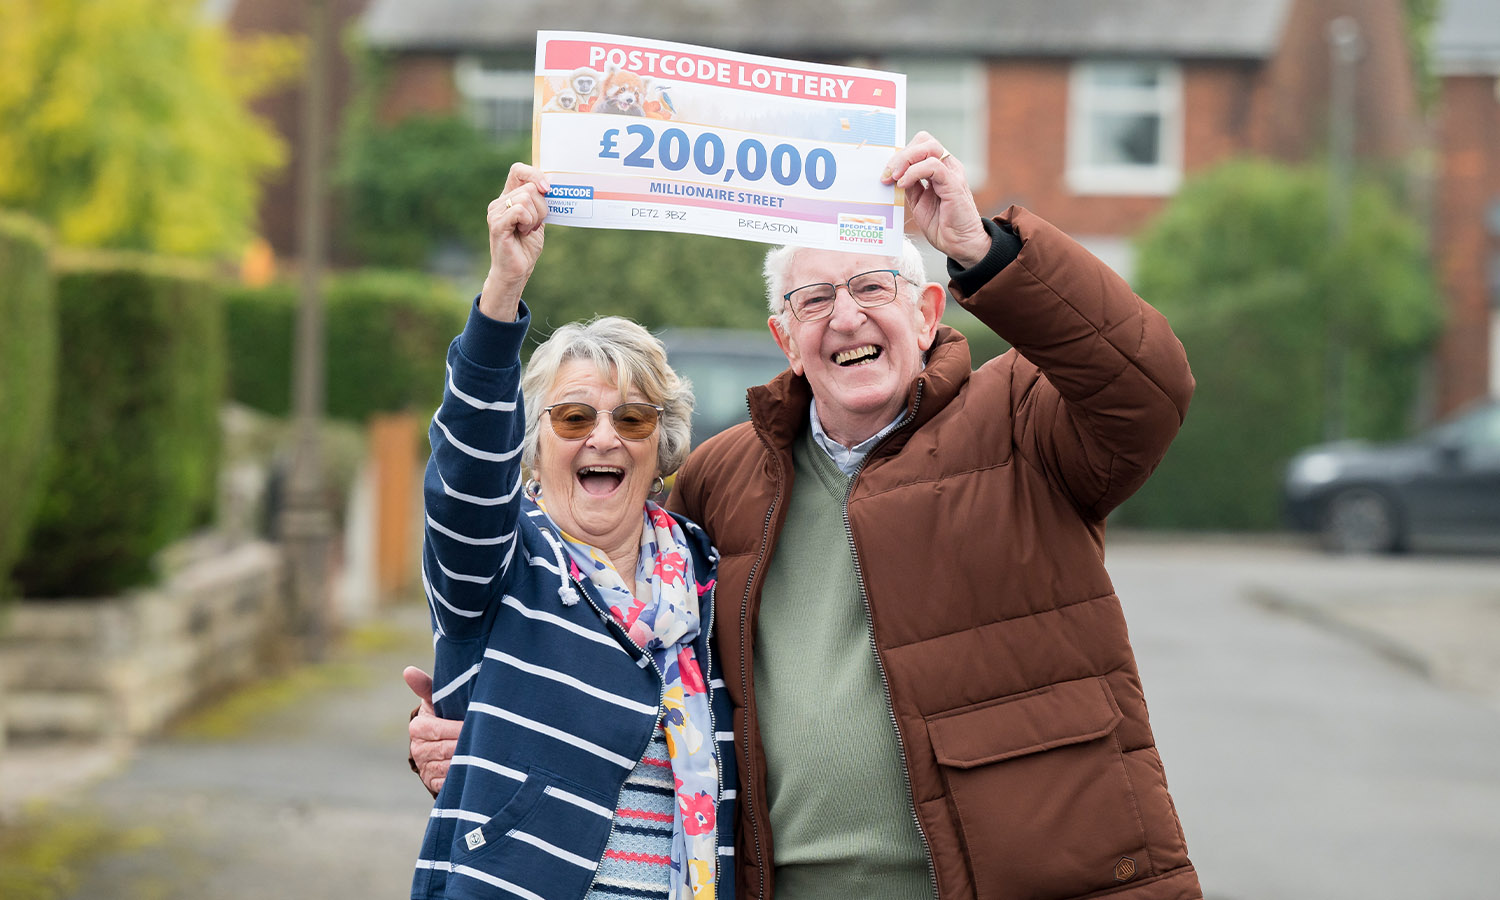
(1305, 763)
(314, 801)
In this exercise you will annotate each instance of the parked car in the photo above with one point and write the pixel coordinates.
(721, 364)
(1441, 487)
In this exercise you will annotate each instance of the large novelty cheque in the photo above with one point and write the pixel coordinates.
(642, 134)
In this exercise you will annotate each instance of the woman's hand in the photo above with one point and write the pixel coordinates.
(516, 234)
(938, 199)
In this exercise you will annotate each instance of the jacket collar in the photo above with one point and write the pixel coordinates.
(778, 409)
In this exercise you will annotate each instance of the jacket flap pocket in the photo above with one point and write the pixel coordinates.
(1067, 713)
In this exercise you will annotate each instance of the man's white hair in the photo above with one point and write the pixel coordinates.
(779, 262)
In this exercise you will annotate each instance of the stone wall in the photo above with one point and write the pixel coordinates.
(121, 667)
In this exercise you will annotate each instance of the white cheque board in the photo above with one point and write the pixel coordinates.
(643, 134)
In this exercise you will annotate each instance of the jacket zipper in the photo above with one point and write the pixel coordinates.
(765, 537)
(708, 678)
(859, 574)
(661, 698)
(708, 662)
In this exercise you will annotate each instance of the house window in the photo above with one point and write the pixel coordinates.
(947, 99)
(497, 93)
(1125, 128)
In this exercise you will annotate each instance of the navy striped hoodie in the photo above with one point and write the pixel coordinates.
(558, 703)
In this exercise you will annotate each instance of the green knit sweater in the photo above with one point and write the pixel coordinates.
(841, 817)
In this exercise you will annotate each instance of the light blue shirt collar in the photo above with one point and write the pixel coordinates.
(847, 458)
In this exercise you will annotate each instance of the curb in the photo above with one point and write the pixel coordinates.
(1383, 645)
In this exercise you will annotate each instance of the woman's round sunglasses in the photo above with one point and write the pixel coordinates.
(631, 421)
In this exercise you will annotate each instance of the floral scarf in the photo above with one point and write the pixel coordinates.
(664, 624)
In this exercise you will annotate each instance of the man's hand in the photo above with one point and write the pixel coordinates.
(433, 740)
(938, 199)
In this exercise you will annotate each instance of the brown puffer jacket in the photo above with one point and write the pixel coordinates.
(978, 531)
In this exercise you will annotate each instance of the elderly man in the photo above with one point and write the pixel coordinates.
(935, 692)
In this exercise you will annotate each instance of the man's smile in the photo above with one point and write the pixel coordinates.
(857, 355)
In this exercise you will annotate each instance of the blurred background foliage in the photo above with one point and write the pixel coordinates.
(414, 194)
(1286, 329)
(124, 124)
(134, 458)
(387, 335)
(660, 280)
(417, 190)
(1421, 19)
(28, 378)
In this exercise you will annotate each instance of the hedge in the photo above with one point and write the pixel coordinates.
(387, 338)
(28, 378)
(1243, 266)
(135, 462)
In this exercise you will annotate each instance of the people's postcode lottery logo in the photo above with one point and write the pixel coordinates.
(855, 229)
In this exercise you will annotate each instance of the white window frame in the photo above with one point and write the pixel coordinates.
(940, 89)
(478, 83)
(1086, 98)
(1494, 373)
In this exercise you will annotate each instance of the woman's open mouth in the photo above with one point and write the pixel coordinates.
(600, 480)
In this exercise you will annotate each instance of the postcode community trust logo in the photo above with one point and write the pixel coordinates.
(855, 229)
(571, 200)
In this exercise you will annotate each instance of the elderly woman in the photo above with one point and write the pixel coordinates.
(571, 615)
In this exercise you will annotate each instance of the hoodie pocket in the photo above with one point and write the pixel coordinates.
(1041, 792)
(547, 839)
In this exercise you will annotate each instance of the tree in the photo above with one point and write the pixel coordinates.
(659, 279)
(418, 187)
(1266, 303)
(1421, 19)
(123, 123)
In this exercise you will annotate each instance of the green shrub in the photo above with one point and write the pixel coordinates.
(414, 194)
(660, 280)
(28, 378)
(140, 384)
(388, 345)
(1267, 305)
(415, 188)
(387, 337)
(259, 325)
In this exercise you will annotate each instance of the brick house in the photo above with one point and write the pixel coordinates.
(1089, 113)
(1466, 221)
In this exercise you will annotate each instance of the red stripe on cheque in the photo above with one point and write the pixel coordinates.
(705, 68)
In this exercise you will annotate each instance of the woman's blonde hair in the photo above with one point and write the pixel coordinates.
(626, 353)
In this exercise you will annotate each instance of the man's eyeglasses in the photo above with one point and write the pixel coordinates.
(632, 421)
(812, 302)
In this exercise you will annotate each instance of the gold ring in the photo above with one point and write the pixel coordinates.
(945, 155)
(508, 204)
